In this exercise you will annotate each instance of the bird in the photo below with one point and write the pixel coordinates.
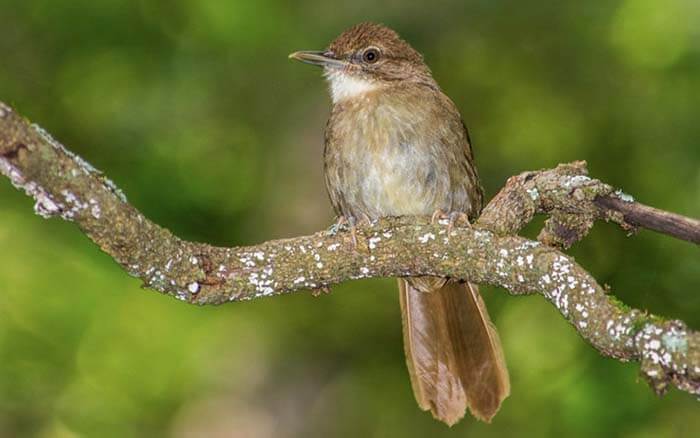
(396, 145)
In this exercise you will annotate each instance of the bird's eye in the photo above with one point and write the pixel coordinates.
(371, 55)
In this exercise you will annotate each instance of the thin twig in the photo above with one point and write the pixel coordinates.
(641, 215)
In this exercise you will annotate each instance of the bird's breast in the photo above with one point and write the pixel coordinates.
(384, 159)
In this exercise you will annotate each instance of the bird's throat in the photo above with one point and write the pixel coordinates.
(345, 85)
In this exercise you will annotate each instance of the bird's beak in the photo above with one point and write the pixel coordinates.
(323, 59)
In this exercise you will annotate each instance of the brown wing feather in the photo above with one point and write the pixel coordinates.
(453, 353)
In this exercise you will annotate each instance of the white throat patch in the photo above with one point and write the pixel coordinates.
(345, 86)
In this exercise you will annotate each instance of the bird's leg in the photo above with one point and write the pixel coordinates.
(437, 216)
(351, 223)
(353, 230)
(458, 218)
(363, 220)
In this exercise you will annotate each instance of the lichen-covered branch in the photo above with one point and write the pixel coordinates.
(64, 185)
(574, 202)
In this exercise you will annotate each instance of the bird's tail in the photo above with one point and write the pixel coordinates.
(453, 352)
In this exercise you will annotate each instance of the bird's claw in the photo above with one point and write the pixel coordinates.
(336, 227)
(323, 290)
(350, 223)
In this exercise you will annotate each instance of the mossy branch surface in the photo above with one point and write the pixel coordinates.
(64, 185)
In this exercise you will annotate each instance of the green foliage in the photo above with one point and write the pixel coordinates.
(194, 110)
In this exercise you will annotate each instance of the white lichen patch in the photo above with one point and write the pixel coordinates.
(426, 237)
(12, 173)
(675, 341)
(247, 260)
(624, 196)
(373, 241)
(193, 287)
(74, 205)
(182, 295)
(113, 188)
(262, 283)
(4, 110)
(528, 244)
(45, 205)
(483, 237)
(575, 181)
(157, 280)
(317, 259)
(557, 283)
(559, 297)
(333, 246)
(659, 344)
(95, 208)
(619, 328)
(387, 234)
(534, 193)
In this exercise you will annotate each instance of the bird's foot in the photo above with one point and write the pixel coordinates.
(350, 223)
(438, 215)
(323, 290)
(339, 224)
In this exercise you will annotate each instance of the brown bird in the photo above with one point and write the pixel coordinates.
(396, 145)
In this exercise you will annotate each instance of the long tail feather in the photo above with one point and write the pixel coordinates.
(453, 352)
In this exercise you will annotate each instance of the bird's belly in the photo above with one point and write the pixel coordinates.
(394, 181)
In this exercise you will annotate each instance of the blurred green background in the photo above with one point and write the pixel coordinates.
(193, 108)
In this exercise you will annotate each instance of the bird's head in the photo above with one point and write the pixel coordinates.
(365, 58)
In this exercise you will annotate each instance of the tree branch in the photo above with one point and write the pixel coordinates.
(62, 184)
